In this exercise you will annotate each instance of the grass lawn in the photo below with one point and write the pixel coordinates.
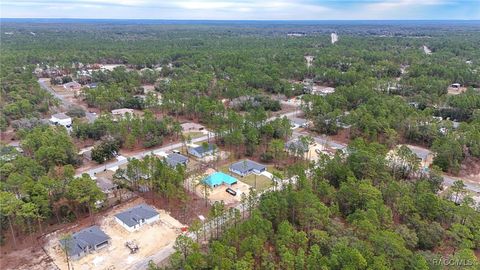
(263, 182)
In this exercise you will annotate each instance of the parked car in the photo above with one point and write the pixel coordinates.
(231, 192)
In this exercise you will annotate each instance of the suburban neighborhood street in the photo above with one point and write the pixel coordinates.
(66, 103)
(123, 160)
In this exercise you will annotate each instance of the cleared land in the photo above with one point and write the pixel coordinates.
(219, 193)
(151, 238)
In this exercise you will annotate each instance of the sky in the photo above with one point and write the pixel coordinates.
(244, 9)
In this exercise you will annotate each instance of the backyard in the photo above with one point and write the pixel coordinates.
(259, 182)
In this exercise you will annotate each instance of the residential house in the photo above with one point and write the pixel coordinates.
(85, 241)
(106, 186)
(121, 113)
(425, 156)
(298, 123)
(175, 159)
(135, 217)
(201, 151)
(246, 167)
(296, 146)
(322, 90)
(190, 126)
(74, 86)
(61, 119)
(8, 153)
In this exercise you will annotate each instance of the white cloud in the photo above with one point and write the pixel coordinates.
(394, 4)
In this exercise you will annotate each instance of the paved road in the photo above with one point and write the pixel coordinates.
(140, 155)
(321, 139)
(447, 180)
(91, 117)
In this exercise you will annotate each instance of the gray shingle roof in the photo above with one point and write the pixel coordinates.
(105, 184)
(246, 165)
(88, 237)
(174, 159)
(201, 150)
(132, 216)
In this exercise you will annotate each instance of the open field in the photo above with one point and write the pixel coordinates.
(151, 238)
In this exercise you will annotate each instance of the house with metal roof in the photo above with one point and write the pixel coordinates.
(122, 112)
(298, 122)
(72, 85)
(246, 167)
(219, 178)
(297, 145)
(85, 241)
(189, 126)
(132, 219)
(175, 159)
(61, 119)
(201, 151)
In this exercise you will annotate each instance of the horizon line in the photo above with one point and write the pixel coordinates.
(289, 20)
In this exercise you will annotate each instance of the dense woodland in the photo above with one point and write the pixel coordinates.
(348, 212)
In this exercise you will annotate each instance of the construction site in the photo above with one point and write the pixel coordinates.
(126, 249)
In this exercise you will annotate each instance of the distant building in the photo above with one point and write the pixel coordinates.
(219, 178)
(8, 153)
(85, 241)
(425, 156)
(296, 146)
(334, 38)
(201, 151)
(322, 90)
(296, 34)
(61, 119)
(72, 86)
(298, 123)
(190, 126)
(246, 167)
(135, 217)
(175, 159)
(455, 85)
(120, 113)
(238, 102)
